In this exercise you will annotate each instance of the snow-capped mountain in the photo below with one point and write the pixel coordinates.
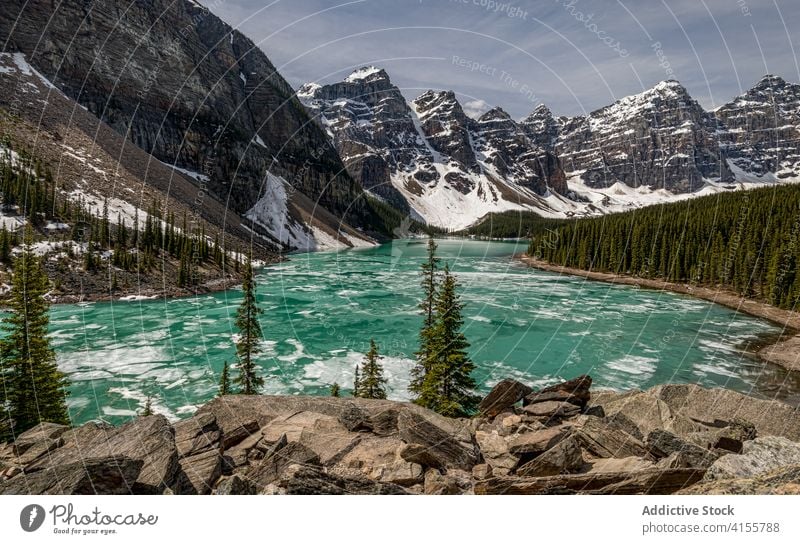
(761, 132)
(661, 138)
(428, 157)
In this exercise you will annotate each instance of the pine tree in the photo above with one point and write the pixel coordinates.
(430, 284)
(224, 381)
(335, 390)
(250, 335)
(148, 407)
(35, 390)
(356, 383)
(372, 383)
(448, 387)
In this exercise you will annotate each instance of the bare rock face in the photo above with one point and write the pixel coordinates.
(661, 138)
(761, 129)
(187, 88)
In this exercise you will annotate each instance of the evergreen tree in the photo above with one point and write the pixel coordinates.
(356, 383)
(429, 282)
(371, 385)
(224, 381)
(448, 387)
(250, 335)
(34, 389)
(335, 390)
(148, 407)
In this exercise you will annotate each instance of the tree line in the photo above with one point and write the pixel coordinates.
(745, 241)
(26, 185)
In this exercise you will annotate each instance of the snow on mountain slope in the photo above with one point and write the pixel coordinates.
(427, 157)
(656, 146)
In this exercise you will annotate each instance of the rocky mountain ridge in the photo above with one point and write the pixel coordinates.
(190, 91)
(429, 158)
(562, 439)
(656, 146)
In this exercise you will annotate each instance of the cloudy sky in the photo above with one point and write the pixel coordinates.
(573, 55)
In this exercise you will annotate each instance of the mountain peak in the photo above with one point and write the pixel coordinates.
(494, 114)
(540, 114)
(366, 73)
(770, 80)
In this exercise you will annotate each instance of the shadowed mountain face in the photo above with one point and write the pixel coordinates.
(183, 86)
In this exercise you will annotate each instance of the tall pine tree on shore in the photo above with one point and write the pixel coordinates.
(250, 336)
(372, 384)
(34, 389)
(224, 381)
(448, 387)
(429, 272)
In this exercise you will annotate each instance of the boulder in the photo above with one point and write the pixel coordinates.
(575, 391)
(538, 441)
(503, 396)
(649, 482)
(482, 471)
(448, 440)
(604, 438)
(495, 450)
(149, 439)
(564, 458)
(662, 444)
(759, 456)
(306, 480)
(769, 417)
(781, 481)
(197, 434)
(115, 475)
(624, 464)
(235, 485)
(454, 482)
(269, 470)
(384, 422)
(647, 413)
(198, 473)
(379, 459)
(42, 433)
(551, 409)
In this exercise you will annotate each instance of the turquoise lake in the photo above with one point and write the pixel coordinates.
(321, 309)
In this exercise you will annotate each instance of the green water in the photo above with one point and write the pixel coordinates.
(322, 309)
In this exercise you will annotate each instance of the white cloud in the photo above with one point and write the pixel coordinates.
(476, 108)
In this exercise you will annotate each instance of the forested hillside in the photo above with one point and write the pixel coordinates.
(746, 241)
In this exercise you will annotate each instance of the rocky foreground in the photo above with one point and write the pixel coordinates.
(559, 440)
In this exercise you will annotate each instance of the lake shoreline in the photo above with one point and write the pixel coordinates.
(136, 295)
(783, 350)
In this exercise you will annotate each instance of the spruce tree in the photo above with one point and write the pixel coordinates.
(34, 389)
(356, 383)
(335, 390)
(148, 407)
(372, 383)
(247, 347)
(448, 387)
(224, 381)
(430, 284)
